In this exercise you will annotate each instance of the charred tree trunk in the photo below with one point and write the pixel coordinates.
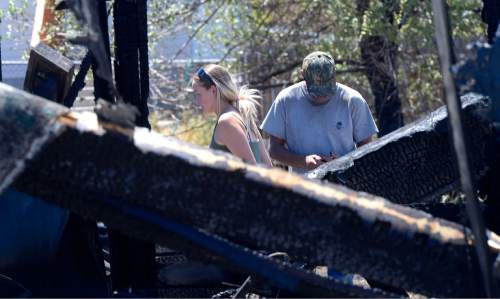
(378, 54)
(102, 88)
(131, 51)
(132, 260)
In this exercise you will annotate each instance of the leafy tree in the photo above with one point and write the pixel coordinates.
(383, 48)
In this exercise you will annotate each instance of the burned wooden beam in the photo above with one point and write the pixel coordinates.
(37, 124)
(124, 177)
(450, 211)
(415, 163)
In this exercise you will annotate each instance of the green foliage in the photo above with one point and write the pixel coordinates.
(17, 9)
(15, 18)
(264, 41)
(266, 36)
(19, 23)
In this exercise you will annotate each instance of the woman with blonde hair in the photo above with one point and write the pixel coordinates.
(236, 129)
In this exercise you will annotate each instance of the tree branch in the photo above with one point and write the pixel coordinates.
(196, 32)
(299, 62)
(288, 83)
(231, 49)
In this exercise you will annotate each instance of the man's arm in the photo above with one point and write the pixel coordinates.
(365, 141)
(278, 152)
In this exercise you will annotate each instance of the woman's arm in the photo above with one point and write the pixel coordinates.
(230, 133)
(264, 155)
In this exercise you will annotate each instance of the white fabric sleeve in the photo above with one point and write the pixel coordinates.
(274, 122)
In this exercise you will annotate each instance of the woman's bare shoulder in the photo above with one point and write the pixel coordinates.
(229, 120)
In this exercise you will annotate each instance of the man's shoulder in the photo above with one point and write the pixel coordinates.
(291, 92)
(349, 94)
(348, 91)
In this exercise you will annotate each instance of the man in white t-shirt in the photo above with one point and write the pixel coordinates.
(318, 119)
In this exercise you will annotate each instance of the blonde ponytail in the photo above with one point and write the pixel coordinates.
(248, 104)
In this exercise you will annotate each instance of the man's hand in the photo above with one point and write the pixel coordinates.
(313, 161)
(278, 152)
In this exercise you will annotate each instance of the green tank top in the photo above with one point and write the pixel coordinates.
(254, 146)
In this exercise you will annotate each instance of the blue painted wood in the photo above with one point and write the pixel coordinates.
(31, 229)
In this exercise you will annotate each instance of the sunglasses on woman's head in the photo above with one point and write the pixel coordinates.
(205, 77)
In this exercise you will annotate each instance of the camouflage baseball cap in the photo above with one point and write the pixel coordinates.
(319, 73)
